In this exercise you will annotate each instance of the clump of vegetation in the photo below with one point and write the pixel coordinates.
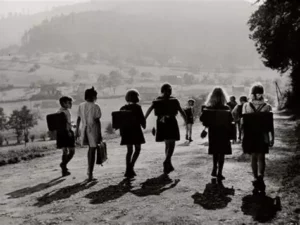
(27, 153)
(32, 137)
(21, 121)
(109, 129)
(43, 136)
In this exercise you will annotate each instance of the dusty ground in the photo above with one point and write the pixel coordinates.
(34, 193)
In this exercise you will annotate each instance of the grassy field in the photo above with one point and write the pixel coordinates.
(18, 73)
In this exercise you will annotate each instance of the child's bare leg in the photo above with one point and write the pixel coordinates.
(221, 161)
(64, 159)
(190, 127)
(215, 165)
(129, 155)
(91, 161)
(170, 146)
(254, 160)
(135, 155)
(187, 132)
(261, 164)
(170, 150)
(71, 153)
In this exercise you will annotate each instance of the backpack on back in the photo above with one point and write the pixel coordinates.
(56, 121)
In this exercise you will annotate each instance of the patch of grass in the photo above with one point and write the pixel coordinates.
(27, 153)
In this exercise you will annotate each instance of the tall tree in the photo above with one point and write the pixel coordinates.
(275, 28)
(114, 80)
(133, 72)
(102, 81)
(21, 121)
(3, 121)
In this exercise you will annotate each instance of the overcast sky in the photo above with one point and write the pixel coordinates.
(34, 6)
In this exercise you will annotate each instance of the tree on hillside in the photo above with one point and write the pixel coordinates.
(3, 121)
(114, 80)
(189, 79)
(102, 81)
(275, 28)
(21, 121)
(133, 72)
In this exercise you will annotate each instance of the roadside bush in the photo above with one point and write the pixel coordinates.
(1, 139)
(44, 136)
(32, 137)
(109, 129)
(52, 135)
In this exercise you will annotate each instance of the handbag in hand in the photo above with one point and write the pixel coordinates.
(203, 133)
(101, 153)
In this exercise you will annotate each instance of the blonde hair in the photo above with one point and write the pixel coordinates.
(217, 97)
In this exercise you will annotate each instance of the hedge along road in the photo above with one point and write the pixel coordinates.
(34, 193)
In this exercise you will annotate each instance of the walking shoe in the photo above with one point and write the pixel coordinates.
(214, 172)
(65, 173)
(255, 190)
(261, 185)
(186, 137)
(220, 177)
(168, 167)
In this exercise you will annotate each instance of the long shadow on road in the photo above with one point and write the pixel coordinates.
(110, 193)
(261, 208)
(63, 193)
(215, 196)
(155, 186)
(30, 190)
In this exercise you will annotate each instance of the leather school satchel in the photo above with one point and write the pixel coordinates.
(101, 153)
(56, 121)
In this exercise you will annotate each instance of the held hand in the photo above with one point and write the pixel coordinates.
(69, 133)
(271, 144)
(77, 134)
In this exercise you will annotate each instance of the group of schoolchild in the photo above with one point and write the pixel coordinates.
(252, 116)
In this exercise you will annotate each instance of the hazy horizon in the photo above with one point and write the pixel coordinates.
(36, 6)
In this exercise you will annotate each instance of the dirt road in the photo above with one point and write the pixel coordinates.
(34, 193)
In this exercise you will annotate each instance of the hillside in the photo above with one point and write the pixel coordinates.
(207, 32)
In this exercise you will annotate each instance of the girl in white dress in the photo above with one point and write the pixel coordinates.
(89, 114)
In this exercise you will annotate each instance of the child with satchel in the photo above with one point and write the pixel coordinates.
(217, 117)
(237, 115)
(132, 122)
(89, 114)
(166, 108)
(258, 128)
(65, 138)
(189, 111)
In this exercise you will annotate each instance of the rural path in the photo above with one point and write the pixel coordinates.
(34, 193)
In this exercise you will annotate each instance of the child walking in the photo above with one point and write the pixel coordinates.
(258, 134)
(237, 115)
(189, 111)
(132, 134)
(65, 139)
(89, 114)
(166, 108)
(216, 116)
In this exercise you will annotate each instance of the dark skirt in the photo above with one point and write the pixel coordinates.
(255, 145)
(219, 141)
(63, 140)
(132, 136)
(190, 120)
(167, 129)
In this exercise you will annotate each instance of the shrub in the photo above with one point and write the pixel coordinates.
(52, 135)
(109, 129)
(32, 137)
(1, 139)
(44, 136)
